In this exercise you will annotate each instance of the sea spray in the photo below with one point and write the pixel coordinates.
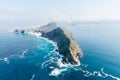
(60, 68)
(57, 60)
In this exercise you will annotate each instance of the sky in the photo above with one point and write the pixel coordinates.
(60, 10)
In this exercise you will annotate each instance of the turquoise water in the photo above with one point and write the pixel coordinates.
(27, 57)
(22, 57)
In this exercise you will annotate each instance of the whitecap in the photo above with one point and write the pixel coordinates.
(100, 73)
(55, 58)
(60, 68)
(39, 35)
(33, 76)
(51, 67)
(55, 72)
(5, 59)
(23, 53)
(108, 75)
(62, 65)
(46, 63)
(33, 33)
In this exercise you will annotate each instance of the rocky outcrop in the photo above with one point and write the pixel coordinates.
(64, 40)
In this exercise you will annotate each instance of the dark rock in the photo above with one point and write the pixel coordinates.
(57, 50)
(64, 39)
(22, 31)
(16, 31)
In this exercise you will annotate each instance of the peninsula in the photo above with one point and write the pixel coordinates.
(63, 39)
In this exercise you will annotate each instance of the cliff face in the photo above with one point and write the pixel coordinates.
(64, 40)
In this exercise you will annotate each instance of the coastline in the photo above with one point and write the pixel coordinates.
(61, 64)
(60, 37)
(39, 36)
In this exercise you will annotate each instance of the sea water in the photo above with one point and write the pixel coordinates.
(28, 57)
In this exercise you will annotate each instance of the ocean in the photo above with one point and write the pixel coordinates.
(28, 57)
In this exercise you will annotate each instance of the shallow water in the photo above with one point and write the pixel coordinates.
(27, 57)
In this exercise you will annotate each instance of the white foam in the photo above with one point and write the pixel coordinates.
(108, 75)
(57, 60)
(97, 73)
(51, 67)
(46, 63)
(61, 68)
(33, 76)
(5, 59)
(61, 65)
(39, 35)
(36, 34)
(55, 72)
(23, 53)
(50, 41)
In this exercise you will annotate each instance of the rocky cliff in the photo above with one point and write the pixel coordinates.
(63, 38)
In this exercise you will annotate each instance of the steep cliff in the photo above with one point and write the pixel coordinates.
(64, 40)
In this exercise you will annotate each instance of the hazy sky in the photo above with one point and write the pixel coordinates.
(60, 10)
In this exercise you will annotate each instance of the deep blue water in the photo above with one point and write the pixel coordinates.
(27, 57)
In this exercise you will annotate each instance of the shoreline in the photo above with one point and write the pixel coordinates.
(59, 37)
(56, 47)
(39, 36)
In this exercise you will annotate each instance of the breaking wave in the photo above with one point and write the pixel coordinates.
(54, 63)
(23, 53)
(99, 73)
(53, 60)
(33, 76)
(5, 59)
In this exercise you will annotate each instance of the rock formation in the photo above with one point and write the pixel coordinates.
(63, 38)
